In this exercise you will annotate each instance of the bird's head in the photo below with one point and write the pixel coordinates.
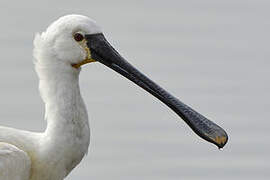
(64, 42)
(74, 40)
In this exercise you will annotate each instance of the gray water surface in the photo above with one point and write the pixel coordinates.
(213, 55)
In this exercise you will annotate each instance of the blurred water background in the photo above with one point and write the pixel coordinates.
(213, 55)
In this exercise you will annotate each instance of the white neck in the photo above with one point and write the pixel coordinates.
(63, 102)
(66, 114)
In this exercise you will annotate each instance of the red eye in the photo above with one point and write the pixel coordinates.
(78, 37)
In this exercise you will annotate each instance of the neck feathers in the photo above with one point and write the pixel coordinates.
(60, 92)
(66, 115)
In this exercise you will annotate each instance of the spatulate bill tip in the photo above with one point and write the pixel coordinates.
(220, 141)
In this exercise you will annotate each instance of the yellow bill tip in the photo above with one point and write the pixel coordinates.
(220, 141)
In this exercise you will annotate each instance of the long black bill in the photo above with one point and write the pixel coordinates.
(103, 52)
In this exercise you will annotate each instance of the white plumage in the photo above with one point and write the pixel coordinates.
(17, 161)
(68, 43)
(52, 154)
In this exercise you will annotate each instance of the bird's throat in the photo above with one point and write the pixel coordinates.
(66, 115)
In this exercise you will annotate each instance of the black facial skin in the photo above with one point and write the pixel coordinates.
(104, 53)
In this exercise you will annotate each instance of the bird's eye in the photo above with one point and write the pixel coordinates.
(78, 37)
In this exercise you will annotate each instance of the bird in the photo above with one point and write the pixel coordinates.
(60, 53)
